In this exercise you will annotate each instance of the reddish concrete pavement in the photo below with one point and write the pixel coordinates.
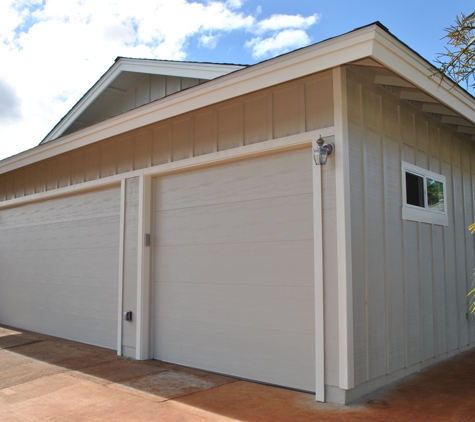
(48, 379)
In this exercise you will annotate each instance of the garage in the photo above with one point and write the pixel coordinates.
(233, 283)
(59, 266)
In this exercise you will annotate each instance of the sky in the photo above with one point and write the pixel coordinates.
(53, 51)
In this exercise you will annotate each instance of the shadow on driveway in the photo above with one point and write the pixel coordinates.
(46, 378)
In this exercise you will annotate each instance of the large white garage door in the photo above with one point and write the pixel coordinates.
(233, 269)
(59, 267)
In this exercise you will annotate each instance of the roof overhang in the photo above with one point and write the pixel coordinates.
(372, 41)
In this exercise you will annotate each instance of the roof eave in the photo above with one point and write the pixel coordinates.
(371, 41)
(405, 62)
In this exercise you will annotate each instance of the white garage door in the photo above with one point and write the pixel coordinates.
(233, 269)
(59, 267)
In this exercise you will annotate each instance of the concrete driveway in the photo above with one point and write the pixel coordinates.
(48, 379)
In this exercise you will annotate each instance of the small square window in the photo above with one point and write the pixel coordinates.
(423, 195)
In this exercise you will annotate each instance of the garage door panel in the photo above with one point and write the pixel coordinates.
(275, 219)
(11, 263)
(265, 307)
(79, 304)
(67, 326)
(258, 178)
(243, 263)
(93, 204)
(59, 268)
(60, 236)
(233, 269)
(216, 346)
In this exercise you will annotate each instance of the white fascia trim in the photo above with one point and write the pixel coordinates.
(407, 64)
(178, 69)
(304, 62)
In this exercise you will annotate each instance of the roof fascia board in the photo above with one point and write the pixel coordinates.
(410, 66)
(179, 69)
(300, 63)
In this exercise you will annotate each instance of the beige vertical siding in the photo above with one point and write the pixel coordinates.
(294, 107)
(410, 279)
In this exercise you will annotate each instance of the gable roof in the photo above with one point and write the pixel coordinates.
(120, 78)
(392, 63)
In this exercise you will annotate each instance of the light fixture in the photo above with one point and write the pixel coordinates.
(322, 152)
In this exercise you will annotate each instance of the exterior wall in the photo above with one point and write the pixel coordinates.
(410, 279)
(295, 107)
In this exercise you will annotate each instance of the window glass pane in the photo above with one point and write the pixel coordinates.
(414, 190)
(435, 195)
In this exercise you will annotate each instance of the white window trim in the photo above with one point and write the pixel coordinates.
(423, 215)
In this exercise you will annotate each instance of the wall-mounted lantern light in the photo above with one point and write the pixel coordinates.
(322, 152)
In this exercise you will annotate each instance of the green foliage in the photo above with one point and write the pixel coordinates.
(458, 61)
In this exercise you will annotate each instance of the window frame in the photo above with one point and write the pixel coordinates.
(423, 214)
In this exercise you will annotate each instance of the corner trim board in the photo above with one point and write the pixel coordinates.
(343, 230)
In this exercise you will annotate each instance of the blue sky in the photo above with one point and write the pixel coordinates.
(52, 51)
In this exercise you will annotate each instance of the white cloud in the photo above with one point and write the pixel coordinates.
(277, 22)
(53, 51)
(208, 41)
(10, 104)
(278, 43)
(235, 4)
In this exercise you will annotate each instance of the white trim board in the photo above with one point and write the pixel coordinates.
(121, 268)
(143, 350)
(343, 230)
(318, 280)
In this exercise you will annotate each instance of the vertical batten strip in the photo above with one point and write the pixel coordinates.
(318, 277)
(241, 123)
(270, 116)
(302, 110)
(343, 230)
(121, 266)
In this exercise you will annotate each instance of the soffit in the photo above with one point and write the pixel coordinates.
(410, 93)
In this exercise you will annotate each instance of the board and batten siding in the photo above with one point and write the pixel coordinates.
(410, 279)
(59, 263)
(295, 107)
